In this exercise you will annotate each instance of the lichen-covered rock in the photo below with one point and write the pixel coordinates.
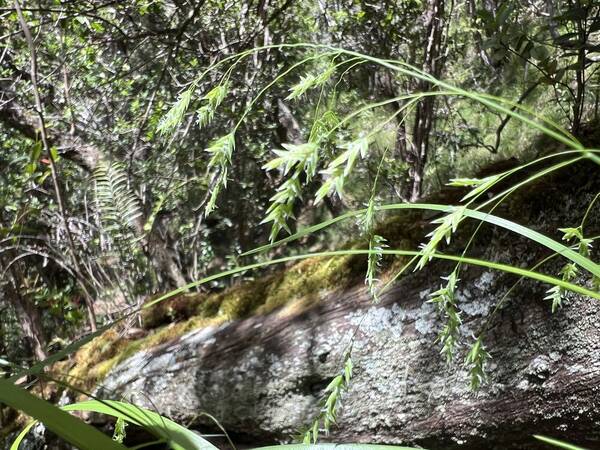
(262, 377)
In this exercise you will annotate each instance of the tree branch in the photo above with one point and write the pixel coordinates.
(54, 173)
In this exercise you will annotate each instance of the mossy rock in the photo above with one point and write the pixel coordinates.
(310, 278)
(302, 284)
(177, 308)
(82, 370)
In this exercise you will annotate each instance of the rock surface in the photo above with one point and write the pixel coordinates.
(262, 377)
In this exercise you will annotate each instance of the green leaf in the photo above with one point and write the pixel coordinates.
(40, 180)
(58, 421)
(479, 185)
(557, 443)
(504, 12)
(478, 215)
(30, 168)
(177, 436)
(54, 153)
(334, 447)
(36, 152)
(540, 53)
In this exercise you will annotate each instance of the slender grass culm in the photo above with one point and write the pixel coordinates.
(299, 163)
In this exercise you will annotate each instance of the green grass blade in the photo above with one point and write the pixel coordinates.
(474, 214)
(472, 261)
(565, 136)
(495, 103)
(593, 156)
(533, 113)
(557, 443)
(529, 274)
(304, 232)
(533, 235)
(499, 104)
(534, 177)
(177, 436)
(334, 447)
(70, 428)
(17, 442)
(484, 99)
(503, 268)
(69, 349)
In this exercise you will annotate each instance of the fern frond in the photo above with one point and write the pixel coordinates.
(118, 206)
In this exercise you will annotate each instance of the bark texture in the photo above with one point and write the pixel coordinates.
(262, 377)
(30, 321)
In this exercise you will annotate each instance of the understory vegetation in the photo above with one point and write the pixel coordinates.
(173, 166)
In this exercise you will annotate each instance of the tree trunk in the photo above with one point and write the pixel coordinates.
(579, 100)
(29, 317)
(433, 61)
(164, 260)
(31, 325)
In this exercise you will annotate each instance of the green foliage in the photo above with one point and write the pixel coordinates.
(311, 82)
(331, 404)
(212, 100)
(479, 185)
(447, 226)
(70, 428)
(167, 431)
(302, 159)
(475, 361)
(348, 126)
(445, 300)
(220, 151)
(175, 115)
(570, 271)
(116, 203)
(340, 168)
(120, 434)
